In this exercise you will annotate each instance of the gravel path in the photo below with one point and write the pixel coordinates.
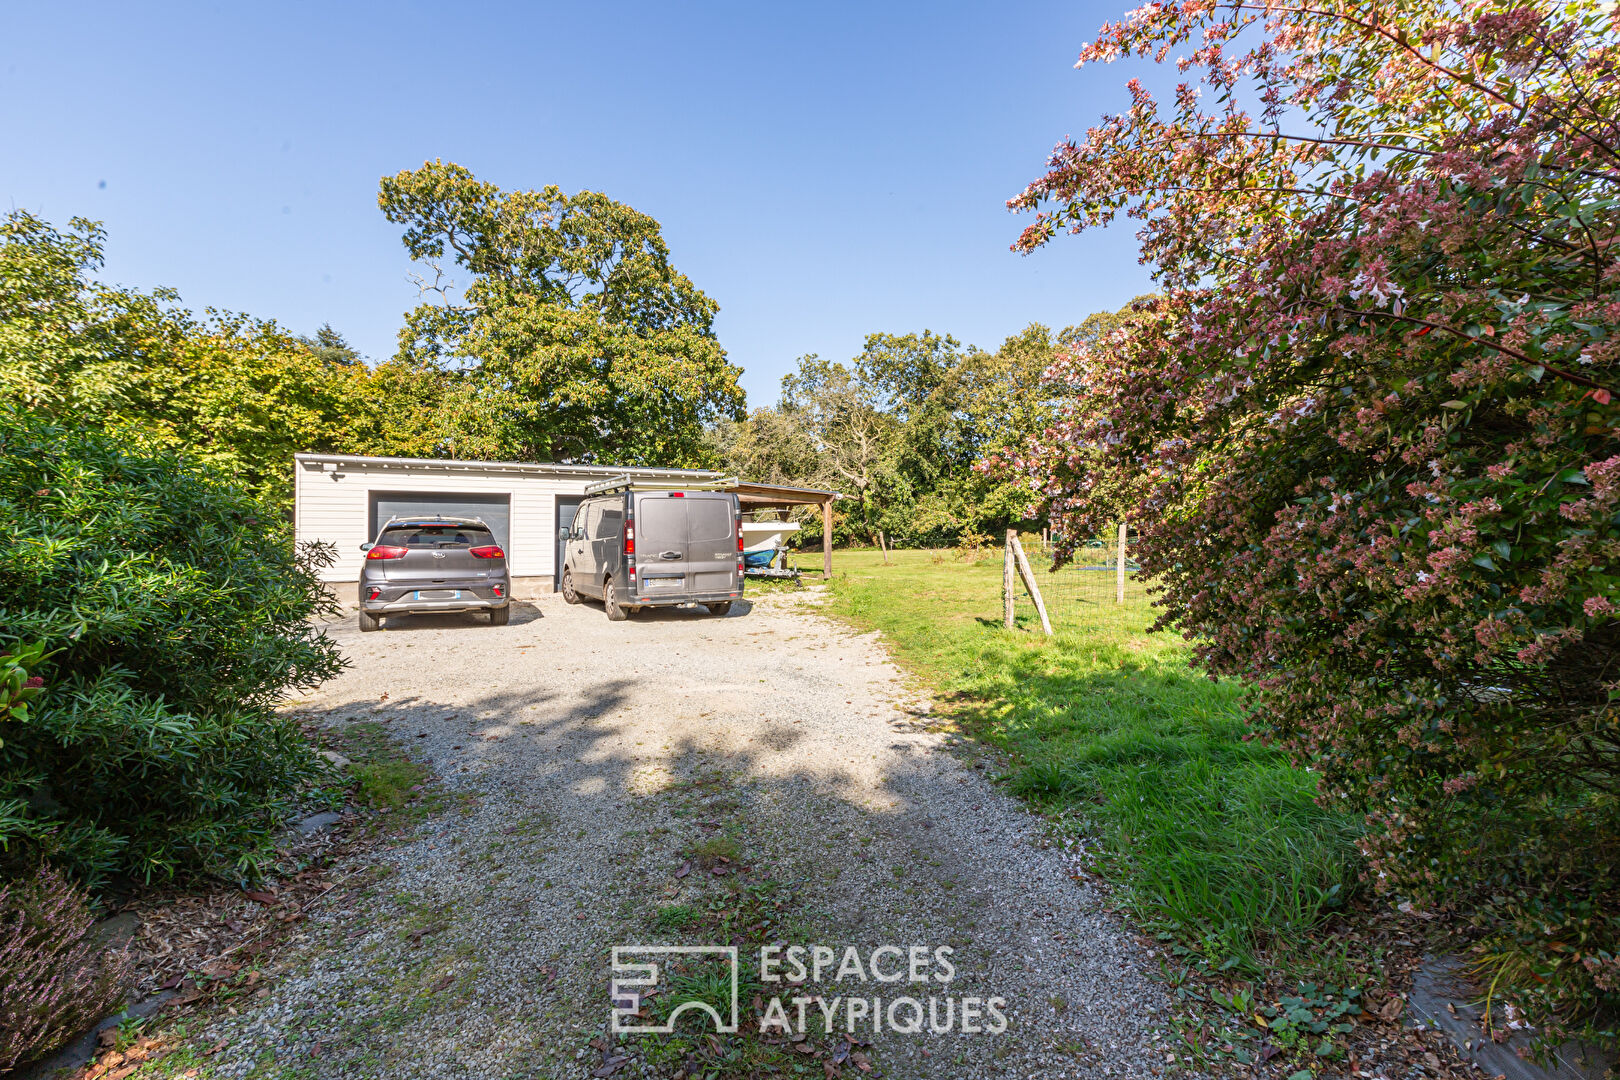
(606, 757)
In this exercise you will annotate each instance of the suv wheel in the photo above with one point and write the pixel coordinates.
(570, 594)
(722, 609)
(369, 622)
(500, 616)
(610, 602)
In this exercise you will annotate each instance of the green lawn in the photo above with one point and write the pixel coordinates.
(1213, 839)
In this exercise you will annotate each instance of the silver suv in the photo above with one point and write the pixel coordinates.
(431, 566)
(635, 548)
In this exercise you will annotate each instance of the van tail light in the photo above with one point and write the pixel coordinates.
(384, 551)
(488, 551)
(739, 534)
(630, 538)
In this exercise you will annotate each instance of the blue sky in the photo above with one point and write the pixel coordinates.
(822, 170)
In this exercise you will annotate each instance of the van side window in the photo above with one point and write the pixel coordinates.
(607, 526)
(710, 519)
(587, 519)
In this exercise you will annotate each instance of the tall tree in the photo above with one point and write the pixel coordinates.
(575, 339)
(857, 444)
(237, 392)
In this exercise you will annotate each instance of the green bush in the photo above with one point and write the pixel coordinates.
(174, 612)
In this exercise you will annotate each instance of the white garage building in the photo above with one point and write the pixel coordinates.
(342, 499)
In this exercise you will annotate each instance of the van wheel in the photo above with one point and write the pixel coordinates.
(570, 594)
(500, 616)
(720, 610)
(369, 622)
(610, 602)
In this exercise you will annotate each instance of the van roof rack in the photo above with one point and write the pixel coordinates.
(623, 483)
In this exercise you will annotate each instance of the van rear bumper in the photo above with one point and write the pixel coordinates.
(660, 600)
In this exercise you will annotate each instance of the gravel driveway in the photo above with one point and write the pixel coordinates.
(629, 776)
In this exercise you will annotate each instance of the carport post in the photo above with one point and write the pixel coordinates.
(826, 538)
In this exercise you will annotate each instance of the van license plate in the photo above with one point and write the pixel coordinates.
(438, 594)
(665, 582)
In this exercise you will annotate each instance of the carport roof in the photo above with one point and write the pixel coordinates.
(768, 495)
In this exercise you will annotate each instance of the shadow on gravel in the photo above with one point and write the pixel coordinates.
(684, 789)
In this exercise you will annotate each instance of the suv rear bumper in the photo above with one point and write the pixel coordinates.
(477, 603)
(398, 600)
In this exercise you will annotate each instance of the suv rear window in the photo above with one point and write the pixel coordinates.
(436, 536)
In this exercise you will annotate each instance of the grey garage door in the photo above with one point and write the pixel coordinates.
(495, 510)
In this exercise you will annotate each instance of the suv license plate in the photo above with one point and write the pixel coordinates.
(438, 594)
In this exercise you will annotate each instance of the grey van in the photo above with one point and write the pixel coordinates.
(434, 565)
(654, 548)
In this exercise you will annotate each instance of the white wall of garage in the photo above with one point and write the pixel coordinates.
(332, 494)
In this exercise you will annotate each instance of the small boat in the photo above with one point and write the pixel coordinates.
(763, 542)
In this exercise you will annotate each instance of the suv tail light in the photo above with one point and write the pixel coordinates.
(488, 551)
(384, 551)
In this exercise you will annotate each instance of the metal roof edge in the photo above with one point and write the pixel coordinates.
(463, 464)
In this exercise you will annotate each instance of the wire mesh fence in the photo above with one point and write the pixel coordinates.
(1087, 587)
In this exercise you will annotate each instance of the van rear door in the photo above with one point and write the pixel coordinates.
(660, 545)
(711, 547)
(686, 543)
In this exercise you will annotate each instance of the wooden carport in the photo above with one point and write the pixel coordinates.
(776, 497)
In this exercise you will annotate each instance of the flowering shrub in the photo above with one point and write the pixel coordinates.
(1368, 433)
(56, 979)
(177, 613)
(18, 685)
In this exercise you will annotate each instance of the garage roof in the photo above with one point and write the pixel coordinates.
(464, 465)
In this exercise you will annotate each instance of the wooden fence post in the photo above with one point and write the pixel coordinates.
(1030, 583)
(1007, 580)
(1119, 571)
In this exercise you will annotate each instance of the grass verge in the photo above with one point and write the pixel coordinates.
(1215, 844)
(1212, 838)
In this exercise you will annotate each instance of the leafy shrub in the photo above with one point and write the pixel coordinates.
(56, 979)
(1368, 433)
(177, 613)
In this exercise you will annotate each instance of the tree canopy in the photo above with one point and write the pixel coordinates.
(237, 392)
(902, 430)
(574, 339)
